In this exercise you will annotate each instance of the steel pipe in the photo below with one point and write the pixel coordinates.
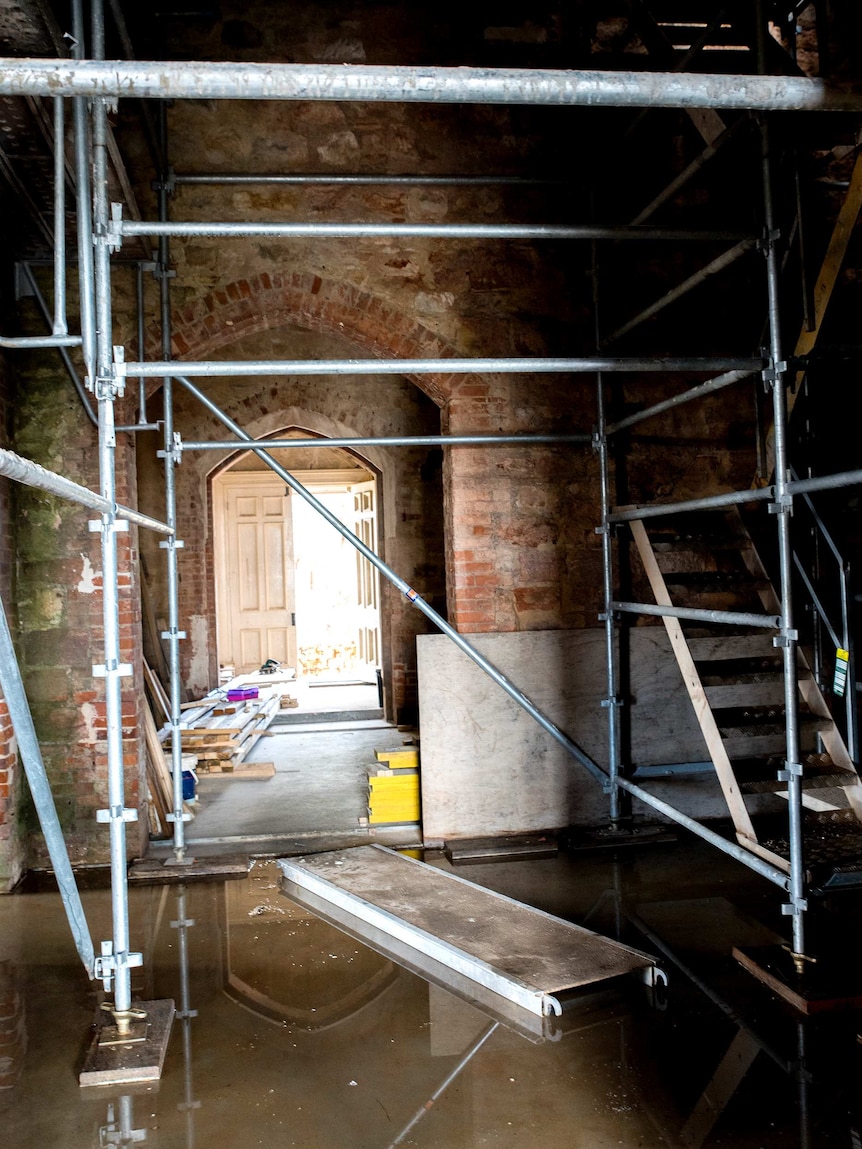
(710, 503)
(27, 342)
(379, 83)
(760, 866)
(242, 368)
(396, 441)
(60, 326)
(736, 498)
(118, 968)
(399, 583)
(171, 457)
(784, 504)
(215, 229)
(33, 475)
(40, 790)
(698, 392)
(688, 173)
(725, 617)
(71, 370)
(726, 259)
(234, 180)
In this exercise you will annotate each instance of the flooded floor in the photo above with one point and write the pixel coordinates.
(291, 1033)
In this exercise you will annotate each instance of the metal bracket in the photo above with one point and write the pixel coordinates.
(116, 813)
(171, 544)
(173, 818)
(175, 448)
(118, 670)
(107, 388)
(107, 963)
(783, 505)
(182, 922)
(785, 640)
(797, 907)
(173, 633)
(609, 702)
(791, 770)
(168, 184)
(118, 526)
(114, 231)
(605, 529)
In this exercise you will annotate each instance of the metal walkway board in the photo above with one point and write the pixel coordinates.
(521, 953)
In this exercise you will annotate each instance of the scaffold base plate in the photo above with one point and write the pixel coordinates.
(158, 871)
(108, 1062)
(830, 983)
(621, 837)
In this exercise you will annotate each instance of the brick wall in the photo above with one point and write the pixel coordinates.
(11, 847)
(60, 620)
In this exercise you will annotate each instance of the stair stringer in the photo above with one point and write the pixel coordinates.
(811, 693)
(697, 693)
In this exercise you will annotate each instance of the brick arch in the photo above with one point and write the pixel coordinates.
(271, 300)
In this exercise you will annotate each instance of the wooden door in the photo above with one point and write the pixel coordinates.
(367, 579)
(253, 539)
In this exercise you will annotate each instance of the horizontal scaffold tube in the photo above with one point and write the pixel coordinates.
(737, 498)
(299, 230)
(398, 441)
(32, 475)
(235, 80)
(694, 614)
(155, 369)
(236, 178)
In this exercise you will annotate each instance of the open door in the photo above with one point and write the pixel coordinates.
(253, 537)
(367, 579)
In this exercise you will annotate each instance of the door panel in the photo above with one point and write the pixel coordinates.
(254, 571)
(367, 578)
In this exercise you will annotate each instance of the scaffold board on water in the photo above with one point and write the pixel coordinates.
(523, 954)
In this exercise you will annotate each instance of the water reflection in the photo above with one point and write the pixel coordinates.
(290, 1033)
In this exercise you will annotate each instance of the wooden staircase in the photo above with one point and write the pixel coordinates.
(734, 674)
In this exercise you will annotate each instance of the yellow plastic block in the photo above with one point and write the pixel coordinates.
(399, 758)
(394, 798)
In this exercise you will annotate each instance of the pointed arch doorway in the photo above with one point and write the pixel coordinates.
(288, 586)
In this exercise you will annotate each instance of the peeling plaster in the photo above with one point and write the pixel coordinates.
(89, 715)
(199, 662)
(87, 584)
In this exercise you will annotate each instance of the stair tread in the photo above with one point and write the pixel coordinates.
(840, 779)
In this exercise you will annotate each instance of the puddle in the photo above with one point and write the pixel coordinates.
(292, 1033)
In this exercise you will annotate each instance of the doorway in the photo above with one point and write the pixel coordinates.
(289, 587)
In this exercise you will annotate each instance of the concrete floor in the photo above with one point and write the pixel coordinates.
(321, 751)
(295, 1034)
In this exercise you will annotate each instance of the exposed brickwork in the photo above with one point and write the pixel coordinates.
(60, 620)
(11, 848)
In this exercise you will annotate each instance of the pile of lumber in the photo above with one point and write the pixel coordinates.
(160, 782)
(393, 787)
(220, 733)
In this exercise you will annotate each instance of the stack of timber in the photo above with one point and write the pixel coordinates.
(160, 783)
(393, 787)
(221, 733)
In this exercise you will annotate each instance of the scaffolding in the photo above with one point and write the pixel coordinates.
(94, 84)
